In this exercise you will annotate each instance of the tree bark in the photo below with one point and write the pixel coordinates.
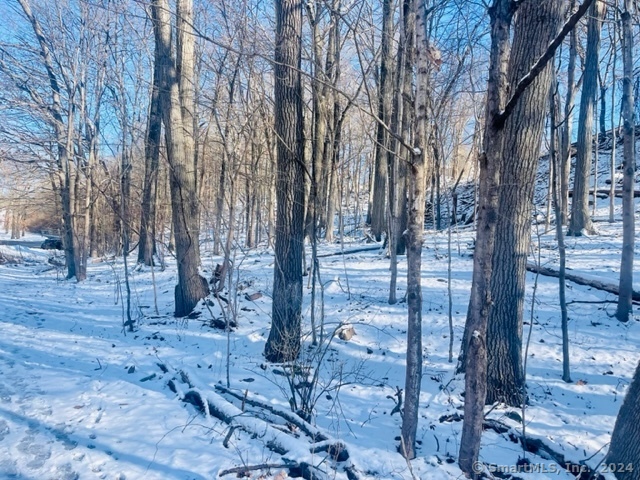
(407, 127)
(536, 26)
(191, 286)
(283, 343)
(64, 139)
(624, 451)
(417, 185)
(147, 241)
(565, 147)
(185, 69)
(614, 129)
(554, 101)
(385, 90)
(474, 348)
(394, 152)
(580, 218)
(318, 128)
(624, 309)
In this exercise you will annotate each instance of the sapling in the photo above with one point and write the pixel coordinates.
(555, 173)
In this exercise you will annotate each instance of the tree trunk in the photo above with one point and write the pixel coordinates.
(474, 348)
(602, 112)
(93, 229)
(554, 100)
(565, 147)
(536, 26)
(394, 152)
(318, 128)
(385, 91)
(624, 451)
(67, 191)
(407, 128)
(580, 218)
(413, 379)
(614, 129)
(185, 69)
(147, 241)
(191, 286)
(283, 343)
(89, 198)
(125, 190)
(271, 168)
(334, 196)
(64, 139)
(625, 308)
(328, 191)
(334, 137)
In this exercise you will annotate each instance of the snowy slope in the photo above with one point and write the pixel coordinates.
(79, 398)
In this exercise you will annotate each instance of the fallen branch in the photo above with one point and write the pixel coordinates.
(242, 471)
(605, 192)
(348, 252)
(323, 443)
(290, 417)
(588, 282)
(597, 302)
(537, 446)
(298, 457)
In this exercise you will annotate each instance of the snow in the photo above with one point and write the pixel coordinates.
(80, 398)
(72, 406)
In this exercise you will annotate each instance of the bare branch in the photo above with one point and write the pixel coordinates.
(539, 66)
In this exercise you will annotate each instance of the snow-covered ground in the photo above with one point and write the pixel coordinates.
(80, 398)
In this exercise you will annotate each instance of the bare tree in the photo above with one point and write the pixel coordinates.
(625, 306)
(535, 28)
(554, 108)
(580, 218)
(77, 85)
(283, 343)
(413, 379)
(185, 69)
(613, 38)
(565, 146)
(385, 82)
(474, 354)
(474, 348)
(191, 286)
(147, 242)
(400, 132)
(62, 120)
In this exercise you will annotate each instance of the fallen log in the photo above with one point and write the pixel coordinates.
(299, 458)
(606, 192)
(290, 417)
(349, 252)
(588, 282)
(244, 470)
(537, 446)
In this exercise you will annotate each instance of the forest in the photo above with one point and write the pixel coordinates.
(331, 239)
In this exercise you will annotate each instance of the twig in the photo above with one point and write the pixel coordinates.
(225, 442)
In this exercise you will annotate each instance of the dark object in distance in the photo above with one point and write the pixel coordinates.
(52, 244)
